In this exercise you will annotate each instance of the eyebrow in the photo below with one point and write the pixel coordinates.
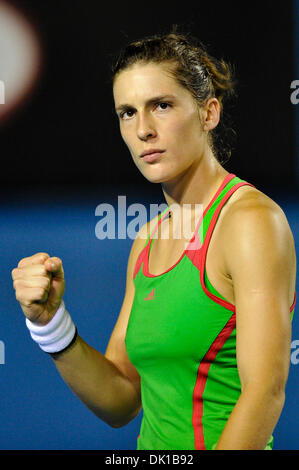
(125, 106)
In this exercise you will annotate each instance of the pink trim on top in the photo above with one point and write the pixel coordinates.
(143, 255)
(203, 252)
(201, 380)
(217, 299)
(146, 272)
(139, 261)
(294, 303)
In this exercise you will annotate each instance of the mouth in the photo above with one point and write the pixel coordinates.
(151, 155)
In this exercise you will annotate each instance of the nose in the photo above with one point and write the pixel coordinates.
(145, 127)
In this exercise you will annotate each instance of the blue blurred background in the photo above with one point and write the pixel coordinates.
(62, 156)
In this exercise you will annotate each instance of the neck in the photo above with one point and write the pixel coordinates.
(197, 185)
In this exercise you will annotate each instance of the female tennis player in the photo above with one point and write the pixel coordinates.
(202, 342)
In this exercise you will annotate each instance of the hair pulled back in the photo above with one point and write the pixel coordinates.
(192, 67)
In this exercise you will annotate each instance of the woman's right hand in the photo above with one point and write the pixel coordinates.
(39, 286)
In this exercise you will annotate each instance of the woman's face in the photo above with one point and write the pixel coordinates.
(156, 113)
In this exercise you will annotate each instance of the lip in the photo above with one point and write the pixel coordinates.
(151, 155)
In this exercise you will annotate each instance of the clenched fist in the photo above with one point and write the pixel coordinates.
(39, 286)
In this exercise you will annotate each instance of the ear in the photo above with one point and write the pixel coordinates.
(211, 114)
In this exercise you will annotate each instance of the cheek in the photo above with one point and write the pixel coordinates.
(186, 133)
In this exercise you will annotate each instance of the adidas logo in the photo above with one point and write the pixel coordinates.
(151, 295)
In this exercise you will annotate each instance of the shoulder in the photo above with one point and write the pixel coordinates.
(257, 210)
(255, 224)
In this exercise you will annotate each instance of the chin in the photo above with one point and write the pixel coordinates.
(152, 178)
(158, 176)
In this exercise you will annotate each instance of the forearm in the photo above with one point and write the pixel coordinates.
(252, 420)
(98, 383)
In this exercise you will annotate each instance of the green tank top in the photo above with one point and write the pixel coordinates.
(181, 337)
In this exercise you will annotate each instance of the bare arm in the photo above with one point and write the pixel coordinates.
(108, 384)
(260, 259)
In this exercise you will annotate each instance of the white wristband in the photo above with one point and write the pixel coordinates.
(55, 335)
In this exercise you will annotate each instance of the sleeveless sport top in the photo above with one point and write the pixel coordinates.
(181, 337)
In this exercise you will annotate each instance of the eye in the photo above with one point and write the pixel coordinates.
(163, 105)
(126, 114)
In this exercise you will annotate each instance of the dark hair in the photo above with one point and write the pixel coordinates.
(194, 68)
